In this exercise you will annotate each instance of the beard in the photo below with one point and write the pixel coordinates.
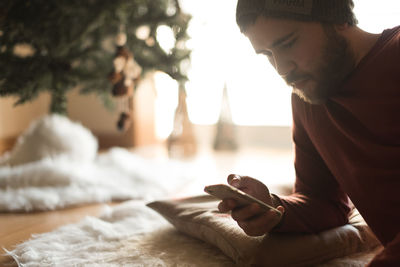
(336, 63)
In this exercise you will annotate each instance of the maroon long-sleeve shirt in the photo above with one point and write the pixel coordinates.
(350, 146)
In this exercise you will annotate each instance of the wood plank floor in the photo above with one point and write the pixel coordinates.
(18, 227)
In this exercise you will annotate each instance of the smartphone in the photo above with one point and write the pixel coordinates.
(223, 191)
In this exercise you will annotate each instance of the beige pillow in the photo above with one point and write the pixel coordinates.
(200, 218)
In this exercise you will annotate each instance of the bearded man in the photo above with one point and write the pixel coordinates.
(346, 120)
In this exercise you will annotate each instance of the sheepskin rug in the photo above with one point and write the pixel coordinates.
(130, 234)
(55, 164)
(52, 136)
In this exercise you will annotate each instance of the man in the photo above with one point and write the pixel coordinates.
(346, 120)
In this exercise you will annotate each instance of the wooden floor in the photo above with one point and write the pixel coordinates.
(18, 227)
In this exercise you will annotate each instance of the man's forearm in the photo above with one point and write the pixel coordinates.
(310, 215)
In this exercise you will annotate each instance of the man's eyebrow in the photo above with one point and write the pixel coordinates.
(279, 41)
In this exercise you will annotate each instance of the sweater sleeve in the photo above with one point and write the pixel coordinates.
(317, 203)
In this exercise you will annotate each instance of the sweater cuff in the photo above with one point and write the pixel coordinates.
(276, 201)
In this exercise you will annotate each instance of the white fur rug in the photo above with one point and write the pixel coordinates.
(51, 184)
(130, 234)
(52, 136)
(55, 164)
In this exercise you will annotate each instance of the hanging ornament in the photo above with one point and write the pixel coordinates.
(125, 74)
(124, 121)
(124, 79)
(125, 107)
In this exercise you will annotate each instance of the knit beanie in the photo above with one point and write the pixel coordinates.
(328, 11)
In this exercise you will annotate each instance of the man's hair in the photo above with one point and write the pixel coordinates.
(326, 11)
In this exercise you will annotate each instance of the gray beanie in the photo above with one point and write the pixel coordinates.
(328, 11)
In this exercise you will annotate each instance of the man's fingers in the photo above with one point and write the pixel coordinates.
(230, 177)
(247, 182)
(241, 182)
(245, 213)
(234, 180)
(260, 225)
(227, 205)
(281, 209)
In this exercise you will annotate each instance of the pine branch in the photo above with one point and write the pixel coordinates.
(67, 43)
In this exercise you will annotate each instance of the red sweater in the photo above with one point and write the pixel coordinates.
(350, 146)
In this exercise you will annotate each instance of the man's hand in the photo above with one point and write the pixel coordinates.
(253, 219)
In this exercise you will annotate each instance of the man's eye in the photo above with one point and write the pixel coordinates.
(289, 44)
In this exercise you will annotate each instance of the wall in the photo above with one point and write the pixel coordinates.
(89, 111)
(14, 119)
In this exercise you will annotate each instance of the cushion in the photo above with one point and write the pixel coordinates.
(199, 217)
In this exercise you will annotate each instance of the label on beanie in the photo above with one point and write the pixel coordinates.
(303, 7)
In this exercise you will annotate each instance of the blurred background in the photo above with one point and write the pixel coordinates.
(256, 102)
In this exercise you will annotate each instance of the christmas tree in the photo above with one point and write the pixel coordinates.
(55, 45)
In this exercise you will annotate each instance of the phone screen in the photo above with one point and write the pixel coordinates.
(223, 191)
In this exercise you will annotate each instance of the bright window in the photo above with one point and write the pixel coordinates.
(221, 54)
